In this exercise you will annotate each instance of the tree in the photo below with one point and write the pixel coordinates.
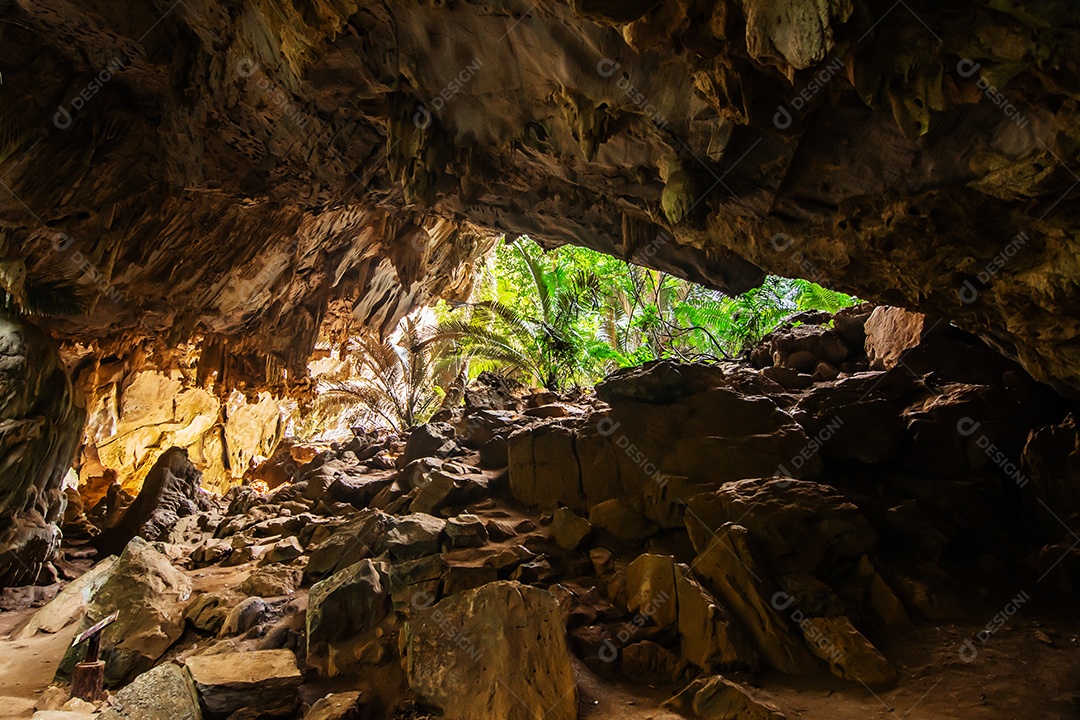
(573, 315)
(538, 330)
(397, 384)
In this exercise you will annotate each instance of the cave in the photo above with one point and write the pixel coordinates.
(210, 210)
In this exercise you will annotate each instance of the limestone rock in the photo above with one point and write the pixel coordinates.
(731, 570)
(40, 428)
(164, 693)
(414, 536)
(569, 529)
(70, 603)
(338, 706)
(434, 493)
(889, 332)
(543, 467)
(169, 492)
(347, 604)
(709, 635)
(647, 661)
(625, 524)
(800, 526)
(282, 551)
(150, 595)
(358, 539)
(466, 531)
(243, 616)
(495, 651)
(265, 681)
(462, 577)
(273, 581)
(849, 654)
(429, 440)
(718, 699)
(650, 589)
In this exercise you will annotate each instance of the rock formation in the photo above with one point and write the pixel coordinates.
(242, 176)
(40, 427)
(661, 541)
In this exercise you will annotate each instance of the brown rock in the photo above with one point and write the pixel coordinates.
(650, 589)
(800, 526)
(889, 332)
(625, 524)
(731, 570)
(502, 642)
(262, 680)
(718, 699)
(849, 654)
(543, 468)
(709, 635)
(338, 706)
(569, 529)
(150, 596)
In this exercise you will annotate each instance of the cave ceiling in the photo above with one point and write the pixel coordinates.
(247, 171)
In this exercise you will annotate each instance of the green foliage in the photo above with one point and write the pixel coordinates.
(394, 384)
(572, 315)
(553, 319)
(534, 319)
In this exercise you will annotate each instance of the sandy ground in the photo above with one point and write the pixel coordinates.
(27, 666)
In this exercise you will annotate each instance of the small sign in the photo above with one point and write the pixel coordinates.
(91, 632)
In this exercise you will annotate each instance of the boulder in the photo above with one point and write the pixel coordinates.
(282, 551)
(658, 382)
(498, 651)
(625, 524)
(338, 706)
(729, 567)
(347, 604)
(170, 491)
(650, 589)
(150, 595)
(889, 332)
(650, 662)
(243, 616)
(709, 635)
(802, 347)
(799, 526)
(273, 581)
(849, 654)
(435, 491)
(264, 681)
(165, 692)
(358, 539)
(569, 529)
(718, 699)
(208, 611)
(414, 536)
(430, 440)
(543, 467)
(466, 531)
(71, 602)
(811, 596)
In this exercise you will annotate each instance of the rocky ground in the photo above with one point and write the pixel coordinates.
(852, 522)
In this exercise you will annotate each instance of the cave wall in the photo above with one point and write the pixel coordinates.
(238, 167)
(40, 421)
(136, 414)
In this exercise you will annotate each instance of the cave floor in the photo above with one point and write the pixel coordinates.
(1025, 669)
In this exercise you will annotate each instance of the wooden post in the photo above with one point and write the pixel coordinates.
(88, 681)
(88, 678)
